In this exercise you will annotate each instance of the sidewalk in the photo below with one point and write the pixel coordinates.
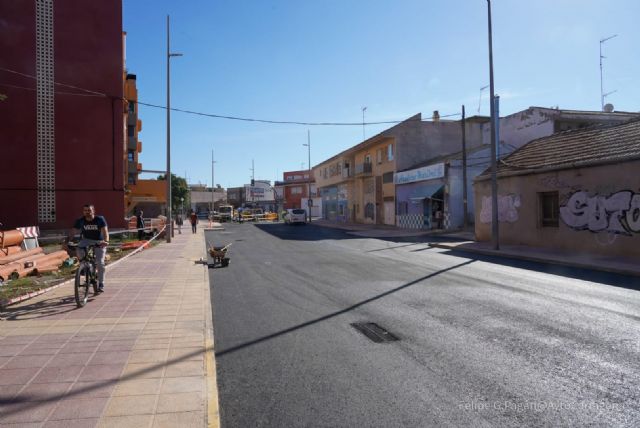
(139, 355)
(464, 241)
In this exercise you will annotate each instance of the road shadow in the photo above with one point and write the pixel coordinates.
(40, 309)
(311, 232)
(340, 312)
(592, 275)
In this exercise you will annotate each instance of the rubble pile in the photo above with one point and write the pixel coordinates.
(17, 260)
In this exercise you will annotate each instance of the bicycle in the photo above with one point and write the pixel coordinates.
(86, 275)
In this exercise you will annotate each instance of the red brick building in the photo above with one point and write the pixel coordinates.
(62, 141)
(296, 184)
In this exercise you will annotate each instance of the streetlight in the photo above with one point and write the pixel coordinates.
(168, 176)
(308, 145)
(602, 94)
(213, 182)
(363, 110)
(494, 166)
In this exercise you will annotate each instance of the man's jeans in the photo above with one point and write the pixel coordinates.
(99, 252)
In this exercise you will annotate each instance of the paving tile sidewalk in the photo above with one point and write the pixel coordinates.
(620, 265)
(139, 355)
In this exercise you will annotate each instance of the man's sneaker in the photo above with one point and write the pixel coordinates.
(101, 288)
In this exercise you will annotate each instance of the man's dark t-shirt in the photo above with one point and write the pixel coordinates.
(91, 229)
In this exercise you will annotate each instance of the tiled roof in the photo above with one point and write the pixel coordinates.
(601, 144)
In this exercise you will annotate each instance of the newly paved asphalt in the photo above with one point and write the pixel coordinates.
(481, 343)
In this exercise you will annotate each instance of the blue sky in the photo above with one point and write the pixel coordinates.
(323, 61)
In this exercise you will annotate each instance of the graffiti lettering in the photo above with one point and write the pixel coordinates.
(507, 208)
(618, 213)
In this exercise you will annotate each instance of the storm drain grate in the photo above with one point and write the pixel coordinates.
(374, 332)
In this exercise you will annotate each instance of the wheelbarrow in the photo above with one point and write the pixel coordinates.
(219, 256)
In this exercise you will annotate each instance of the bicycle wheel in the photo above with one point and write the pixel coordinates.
(83, 281)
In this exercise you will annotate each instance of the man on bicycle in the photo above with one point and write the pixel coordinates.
(93, 231)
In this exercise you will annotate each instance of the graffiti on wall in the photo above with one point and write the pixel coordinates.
(618, 213)
(507, 208)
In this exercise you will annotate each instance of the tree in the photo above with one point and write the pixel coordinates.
(179, 190)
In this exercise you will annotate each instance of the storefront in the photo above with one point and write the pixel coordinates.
(335, 204)
(420, 195)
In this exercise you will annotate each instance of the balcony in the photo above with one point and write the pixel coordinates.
(132, 144)
(363, 169)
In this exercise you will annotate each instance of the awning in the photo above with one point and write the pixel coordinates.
(425, 191)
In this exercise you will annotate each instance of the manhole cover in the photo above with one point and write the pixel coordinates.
(374, 332)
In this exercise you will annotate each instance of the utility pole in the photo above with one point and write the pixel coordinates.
(464, 169)
(494, 164)
(309, 173)
(602, 94)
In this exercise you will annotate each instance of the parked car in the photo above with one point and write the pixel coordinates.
(295, 215)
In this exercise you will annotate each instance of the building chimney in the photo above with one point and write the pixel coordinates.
(436, 115)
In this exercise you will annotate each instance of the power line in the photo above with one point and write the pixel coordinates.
(216, 116)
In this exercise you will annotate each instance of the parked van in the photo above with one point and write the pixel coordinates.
(295, 215)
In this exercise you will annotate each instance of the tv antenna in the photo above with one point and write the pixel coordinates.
(480, 99)
(602, 94)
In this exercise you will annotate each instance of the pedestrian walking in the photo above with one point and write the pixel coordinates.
(179, 223)
(140, 225)
(194, 221)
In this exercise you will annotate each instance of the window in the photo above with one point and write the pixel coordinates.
(403, 208)
(367, 159)
(379, 156)
(390, 152)
(549, 209)
(130, 156)
(131, 130)
(340, 209)
(387, 177)
(132, 107)
(296, 190)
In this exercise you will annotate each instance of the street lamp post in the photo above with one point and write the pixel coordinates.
(169, 231)
(308, 145)
(213, 182)
(494, 166)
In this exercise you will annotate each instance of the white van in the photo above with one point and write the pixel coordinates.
(295, 215)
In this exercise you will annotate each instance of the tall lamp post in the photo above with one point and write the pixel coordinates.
(494, 166)
(168, 176)
(308, 145)
(213, 182)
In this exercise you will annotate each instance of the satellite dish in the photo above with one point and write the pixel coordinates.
(608, 108)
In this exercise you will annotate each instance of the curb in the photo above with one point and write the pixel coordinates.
(498, 253)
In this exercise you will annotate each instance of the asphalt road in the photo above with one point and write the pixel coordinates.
(480, 343)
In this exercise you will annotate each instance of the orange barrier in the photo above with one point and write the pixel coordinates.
(10, 237)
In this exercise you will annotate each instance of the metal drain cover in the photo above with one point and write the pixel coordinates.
(374, 332)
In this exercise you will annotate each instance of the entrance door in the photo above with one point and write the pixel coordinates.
(388, 212)
(426, 213)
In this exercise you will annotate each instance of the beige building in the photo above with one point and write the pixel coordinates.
(576, 190)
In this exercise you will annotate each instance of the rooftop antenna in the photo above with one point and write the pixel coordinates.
(602, 94)
(480, 99)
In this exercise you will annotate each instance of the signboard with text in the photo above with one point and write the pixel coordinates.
(420, 174)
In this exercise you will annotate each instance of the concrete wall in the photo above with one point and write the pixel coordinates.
(602, 220)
